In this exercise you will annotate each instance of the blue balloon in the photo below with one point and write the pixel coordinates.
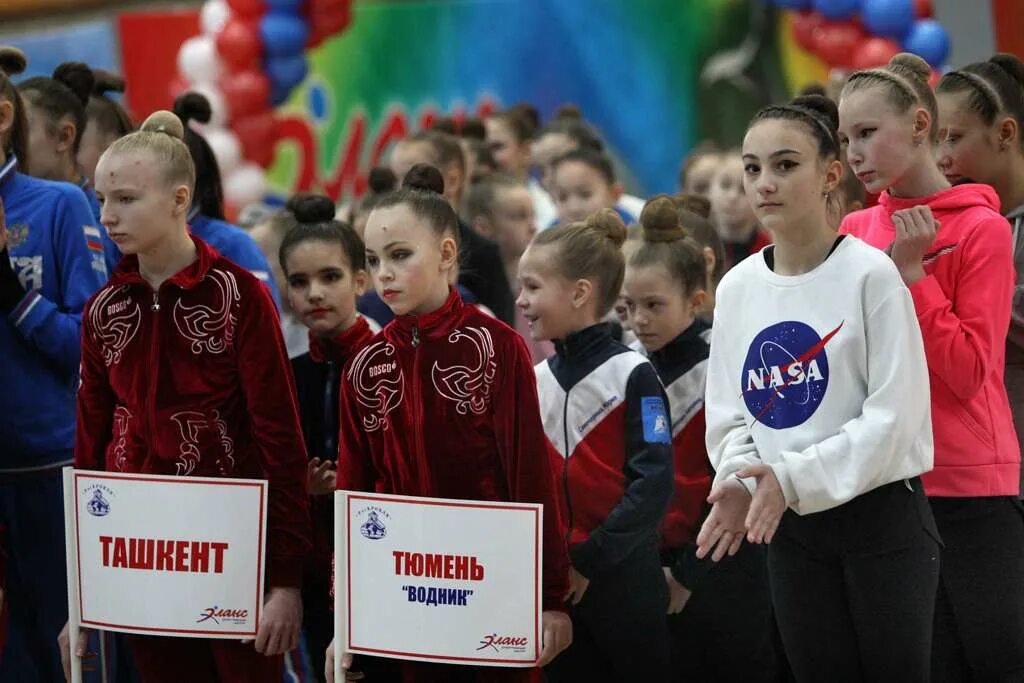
(285, 6)
(285, 72)
(887, 18)
(837, 9)
(928, 40)
(793, 4)
(283, 35)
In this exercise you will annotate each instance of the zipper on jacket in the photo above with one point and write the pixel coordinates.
(156, 300)
(415, 337)
(154, 365)
(422, 472)
(565, 467)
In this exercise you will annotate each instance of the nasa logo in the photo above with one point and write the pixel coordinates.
(785, 375)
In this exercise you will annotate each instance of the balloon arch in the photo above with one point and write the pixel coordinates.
(248, 58)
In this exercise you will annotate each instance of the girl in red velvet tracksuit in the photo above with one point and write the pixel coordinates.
(184, 372)
(954, 252)
(324, 263)
(442, 403)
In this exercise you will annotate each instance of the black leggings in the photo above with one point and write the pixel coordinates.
(619, 627)
(854, 587)
(979, 615)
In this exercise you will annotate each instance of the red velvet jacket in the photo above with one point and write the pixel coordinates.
(445, 405)
(193, 380)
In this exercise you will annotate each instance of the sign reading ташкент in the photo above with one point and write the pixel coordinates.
(176, 556)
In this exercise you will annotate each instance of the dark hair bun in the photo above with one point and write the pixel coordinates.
(814, 89)
(821, 105)
(77, 77)
(473, 129)
(568, 112)
(382, 179)
(106, 81)
(1011, 64)
(694, 203)
(191, 106)
(311, 208)
(609, 224)
(911, 66)
(659, 220)
(163, 121)
(424, 177)
(529, 114)
(12, 61)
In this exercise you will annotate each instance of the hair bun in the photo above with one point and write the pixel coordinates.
(106, 81)
(164, 121)
(822, 105)
(609, 224)
(1011, 64)
(77, 77)
(694, 203)
(311, 208)
(12, 60)
(425, 178)
(910, 65)
(568, 112)
(473, 129)
(659, 220)
(191, 106)
(382, 180)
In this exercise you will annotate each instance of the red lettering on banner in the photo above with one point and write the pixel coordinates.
(351, 162)
(163, 555)
(438, 566)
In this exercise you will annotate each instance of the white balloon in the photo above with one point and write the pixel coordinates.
(226, 149)
(218, 105)
(198, 61)
(246, 185)
(213, 15)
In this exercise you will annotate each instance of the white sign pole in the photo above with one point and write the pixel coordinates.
(341, 580)
(71, 550)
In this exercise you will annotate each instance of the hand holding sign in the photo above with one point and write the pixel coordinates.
(64, 644)
(282, 618)
(557, 634)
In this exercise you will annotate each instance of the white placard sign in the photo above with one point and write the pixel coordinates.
(438, 580)
(160, 555)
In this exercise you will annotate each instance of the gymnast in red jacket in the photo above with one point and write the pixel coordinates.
(184, 372)
(443, 401)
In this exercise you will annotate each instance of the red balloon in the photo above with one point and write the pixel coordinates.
(247, 8)
(923, 9)
(874, 51)
(835, 41)
(804, 24)
(257, 134)
(238, 44)
(246, 93)
(933, 80)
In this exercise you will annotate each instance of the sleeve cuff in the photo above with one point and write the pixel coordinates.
(585, 558)
(749, 483)
(926, 292)
(26, 310)
(284, 572)
(781, 471)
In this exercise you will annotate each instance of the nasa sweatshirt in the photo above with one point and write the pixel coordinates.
(821, 375)
(963, 305)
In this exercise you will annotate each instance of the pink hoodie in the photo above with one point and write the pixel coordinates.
(963, 306)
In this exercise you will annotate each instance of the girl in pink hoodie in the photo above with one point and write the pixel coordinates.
(953, 250)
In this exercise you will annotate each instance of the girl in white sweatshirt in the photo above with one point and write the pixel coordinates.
(818, 420)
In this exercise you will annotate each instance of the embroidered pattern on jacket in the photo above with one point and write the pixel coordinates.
(377, 387)
(189, 423)
(469, 386)
(115, 324)
(210, 328)
(122, 417)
